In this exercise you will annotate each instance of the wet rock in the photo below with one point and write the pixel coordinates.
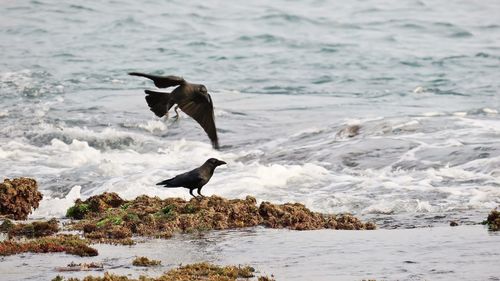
(144, 261)
(493, 220)
(30, 230)
(94, 204)
(152, 216)
(80, 267)
(6, 225)
(69, 244)
(453, 223)
(192, 272)
(265, 278)
(349, 131)
(293, 216)
(18, 197)
(297, 217)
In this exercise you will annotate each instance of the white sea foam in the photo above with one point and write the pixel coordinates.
(491, 111)
(433, 114)
(132, 169)
(460, 113)
(154, 125)
(56, 207)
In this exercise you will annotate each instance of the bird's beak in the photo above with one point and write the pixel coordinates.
(221, 163)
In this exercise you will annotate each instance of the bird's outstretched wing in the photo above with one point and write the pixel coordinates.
(201, 109)
(158, 102)
(162, 81)
(188, 179)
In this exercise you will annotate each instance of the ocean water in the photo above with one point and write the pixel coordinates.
(420, 78)
(437, 253)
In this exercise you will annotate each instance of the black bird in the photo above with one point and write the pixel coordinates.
(193, 99)
(194, 179)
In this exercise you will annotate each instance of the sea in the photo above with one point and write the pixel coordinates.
(388, 110)
(287, 78)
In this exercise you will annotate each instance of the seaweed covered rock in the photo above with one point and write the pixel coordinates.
(30, 230)
(297, 217)
(80, 267)
(192, 272)
(152, 216)
(69, 244)
(94, 204)
(144, 261)
(493, 220)
(18, 197)
(293, 216)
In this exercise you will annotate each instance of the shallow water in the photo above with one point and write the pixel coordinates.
(438, 253)
(419, 77)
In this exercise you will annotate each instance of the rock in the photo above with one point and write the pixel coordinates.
(144, 261)
(298, 217)
(80, 267)
(31, 230)
(152, 216)
(18, 197)
(493, 220)
(453, 223)
(349, 131)
(69, 244)
(192, 272)
(96, 204)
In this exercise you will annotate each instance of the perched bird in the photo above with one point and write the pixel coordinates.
(193, 99)
(194, 179)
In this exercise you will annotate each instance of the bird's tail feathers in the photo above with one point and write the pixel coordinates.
(166, 183)
(158, 102)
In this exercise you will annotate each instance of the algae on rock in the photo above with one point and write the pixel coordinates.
(70, 244)
(192, 272)
(152, 216)
(18, 197)
(95, 204)
(144, 261)
(493, 220)
(30, 230)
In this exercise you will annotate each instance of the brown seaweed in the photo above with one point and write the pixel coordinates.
(18, 197)
(69, 244)
(152, 216)
(192, 272)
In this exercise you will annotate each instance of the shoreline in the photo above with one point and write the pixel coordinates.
(435, 253)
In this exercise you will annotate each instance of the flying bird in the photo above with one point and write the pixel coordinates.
(193, 99)
(194, 179)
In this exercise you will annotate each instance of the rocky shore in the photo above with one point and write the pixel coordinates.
(107, 217)
(192, 272)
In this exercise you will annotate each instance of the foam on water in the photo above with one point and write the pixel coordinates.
(55, 206)
(121, 160)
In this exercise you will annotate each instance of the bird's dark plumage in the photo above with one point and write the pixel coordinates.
(193, 99)
(194, 179)
(162, 81)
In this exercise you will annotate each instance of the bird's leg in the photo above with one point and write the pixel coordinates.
(176, 112)
(199, 192)
(191, 192)
(166, 112)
